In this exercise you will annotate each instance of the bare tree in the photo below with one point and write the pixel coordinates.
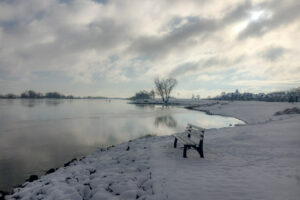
(164, 88)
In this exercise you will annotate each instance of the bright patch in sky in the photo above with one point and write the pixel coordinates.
(256, 15)
(240, 26)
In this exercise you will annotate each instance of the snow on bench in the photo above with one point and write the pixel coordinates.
(186, 139)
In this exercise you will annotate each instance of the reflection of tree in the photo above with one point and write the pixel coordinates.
(53, 102)
(167, 120)
(143, 106)
(30, 102)
(165, 107)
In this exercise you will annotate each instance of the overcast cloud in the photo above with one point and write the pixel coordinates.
(117, 47)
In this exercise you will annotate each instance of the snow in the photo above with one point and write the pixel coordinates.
(106, 174)
(247, 162)
(252, 112)
(260, 160)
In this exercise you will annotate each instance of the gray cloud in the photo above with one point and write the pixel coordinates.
(189, 67)
(185, 68)
(66, 44)
(238, 13)
(159, 46)
(272, 53)
(182, 37)
(102, 1)
(204, 64)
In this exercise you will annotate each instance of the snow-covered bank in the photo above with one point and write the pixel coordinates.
(252, 112)
(120, 172)
(260, 160)
(173, 102)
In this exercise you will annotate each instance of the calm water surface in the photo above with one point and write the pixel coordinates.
(36, 135)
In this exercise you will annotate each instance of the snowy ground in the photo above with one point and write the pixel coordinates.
(252, 112)
(260, 160)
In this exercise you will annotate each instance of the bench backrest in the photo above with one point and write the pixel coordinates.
(195, 130)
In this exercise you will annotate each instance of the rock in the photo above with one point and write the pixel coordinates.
(288, 111)
(92, 171)
(50, 171)
(3, 194)
(68, 163)
(82, 158)
(32, 178)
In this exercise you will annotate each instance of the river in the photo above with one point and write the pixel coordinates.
(36, 135)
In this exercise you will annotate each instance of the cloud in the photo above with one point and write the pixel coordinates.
(282, 14)
(215, 64)
(185, 31)
(238, 13)
(111, 44)
(102, 1)
(51, 44)
(272, 53)
(258, 83)
(178, 38)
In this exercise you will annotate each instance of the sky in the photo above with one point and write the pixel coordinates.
(118, 47)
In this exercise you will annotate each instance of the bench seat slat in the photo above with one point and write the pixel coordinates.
(185, 140)
(196, 133)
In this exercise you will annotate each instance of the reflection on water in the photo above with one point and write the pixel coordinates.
(36, 135)
(56, 102)
(144, 106)
(31, 103)
(168, 121)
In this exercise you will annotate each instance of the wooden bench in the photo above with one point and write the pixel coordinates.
(189, 142)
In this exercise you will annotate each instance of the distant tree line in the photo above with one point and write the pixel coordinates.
(30, 94)
(292, 95)
(143, 94)
(90, 97)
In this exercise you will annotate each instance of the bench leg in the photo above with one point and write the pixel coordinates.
(200, 149)
(175, 143)
(189, 136)
(184, 150)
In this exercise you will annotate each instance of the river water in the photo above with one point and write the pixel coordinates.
(36, 135)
